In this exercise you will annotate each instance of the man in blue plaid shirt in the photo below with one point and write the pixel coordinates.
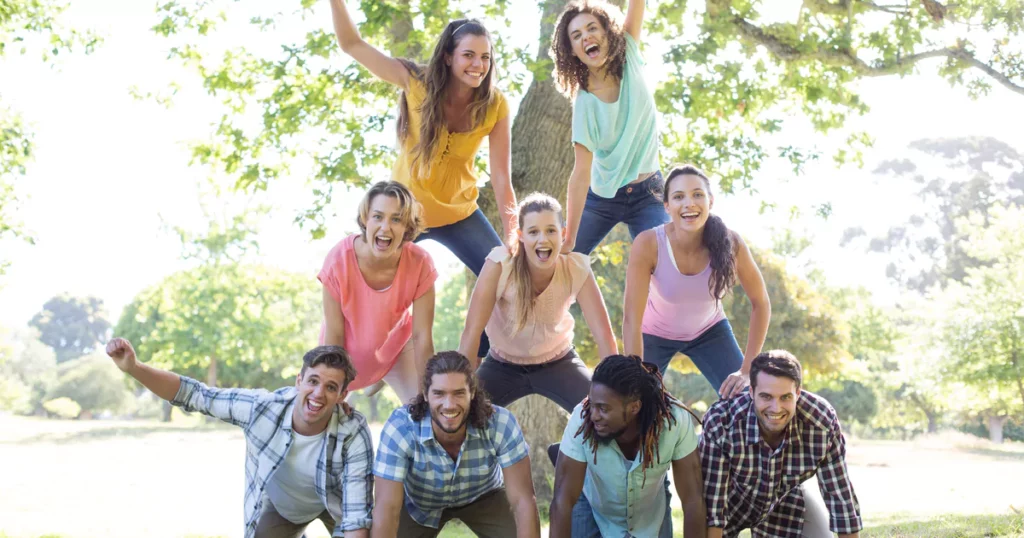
(305, 458)
(760, 447)
(450, 454)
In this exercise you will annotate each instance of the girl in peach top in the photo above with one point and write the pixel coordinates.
(375, 277)
(522, 300)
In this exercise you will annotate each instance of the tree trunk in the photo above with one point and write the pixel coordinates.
(995, 428)
(211, 373)
(1015, 360)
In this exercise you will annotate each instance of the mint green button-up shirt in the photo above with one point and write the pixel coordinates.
(624, 502)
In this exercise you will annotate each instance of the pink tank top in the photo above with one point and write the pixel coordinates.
(679, 307)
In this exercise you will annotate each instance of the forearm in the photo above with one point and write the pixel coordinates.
(561, 518)
(850, 535)
(160, 382)
(760, 316)
(423, 347)
(344, 28)
(575, 201)
(527, 520)
(469, 345)
(359, 533)
(714, 532)
(632, 336)
(506, 199)
(695, 519)
(385, 522)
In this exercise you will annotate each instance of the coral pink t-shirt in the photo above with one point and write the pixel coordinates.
(378, 323)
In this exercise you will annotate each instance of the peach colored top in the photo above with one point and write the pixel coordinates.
(378, 323)
(549, 334)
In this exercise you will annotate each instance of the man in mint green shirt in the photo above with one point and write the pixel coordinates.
(617, 449)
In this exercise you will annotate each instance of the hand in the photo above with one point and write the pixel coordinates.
(123, 354)
(734, 384)
(568, 245)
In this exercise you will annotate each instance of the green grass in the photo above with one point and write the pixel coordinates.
(950, 526)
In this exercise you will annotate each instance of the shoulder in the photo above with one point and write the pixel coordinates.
(349, 425)
(632, 48)
(502, 419)
(417, 253)
(816, 411)
(499, 254)
(723, 414)
(578, 263)
(683, 419)
(417, 89)
(400, 420)
(341, 248)
(647, 240)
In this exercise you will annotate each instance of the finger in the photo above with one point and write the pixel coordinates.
(726, 389)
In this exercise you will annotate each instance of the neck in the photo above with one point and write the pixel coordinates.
(598, 76)
(773, 439)
(302, 428)
(459, 94)
(630, 437)
(449, 439)
(686, 241)
(540, 278)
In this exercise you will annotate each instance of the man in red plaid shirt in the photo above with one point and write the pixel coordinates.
(757, 450)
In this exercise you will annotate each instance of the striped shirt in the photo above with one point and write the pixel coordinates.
(747, 484)
(343, 479)
(409, 453)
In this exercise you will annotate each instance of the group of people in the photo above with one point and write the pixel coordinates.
(453, 451)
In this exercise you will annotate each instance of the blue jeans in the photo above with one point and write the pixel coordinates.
(585, 526)
(715, 352)
(639, 205)
(470, 240)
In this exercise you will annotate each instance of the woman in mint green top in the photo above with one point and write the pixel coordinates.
(614, 123)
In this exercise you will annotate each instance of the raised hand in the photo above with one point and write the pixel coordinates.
(734, 384)
(123, 353)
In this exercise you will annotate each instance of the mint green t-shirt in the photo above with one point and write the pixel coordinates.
(623, 136)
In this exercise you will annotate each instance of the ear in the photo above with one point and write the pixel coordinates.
(298, 380)
(633, 408)
(519, 233)
(711, 201)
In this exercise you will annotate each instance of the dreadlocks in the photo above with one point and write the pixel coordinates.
(634, 379)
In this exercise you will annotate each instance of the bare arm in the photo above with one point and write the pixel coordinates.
(760, 314)
(500, 143)
(596, 314)
(643, 257)
(521, 498)
(161, 382)
(690, 486)
(481, 304)
(334, 321)
(634, 19)
(387, 509)
(422, 329)
(576, 197)
(569, 475)
(381, 65)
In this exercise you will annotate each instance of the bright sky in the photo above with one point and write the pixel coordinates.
(108, 167)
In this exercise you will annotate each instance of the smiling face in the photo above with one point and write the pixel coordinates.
(471, 60)
(610, 413)
(449, 398)
(589, 40)
(385, 226)
(319, 390)
(541, 236)
(689, 202)
(774, 403)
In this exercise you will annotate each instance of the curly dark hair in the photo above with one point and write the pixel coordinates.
(716, 237)
(572, 74)
(634, 379)
(450, 362)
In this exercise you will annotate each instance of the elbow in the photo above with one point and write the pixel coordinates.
(350, 44)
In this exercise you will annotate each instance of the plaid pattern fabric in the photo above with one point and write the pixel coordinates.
(747, 484)
(408, 453)
(343, 480)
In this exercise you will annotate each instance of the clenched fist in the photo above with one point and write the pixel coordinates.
(123, 354)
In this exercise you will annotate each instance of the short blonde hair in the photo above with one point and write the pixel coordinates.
(411, 210)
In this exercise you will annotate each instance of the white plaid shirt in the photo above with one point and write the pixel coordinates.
(409, 453)
(343, 480)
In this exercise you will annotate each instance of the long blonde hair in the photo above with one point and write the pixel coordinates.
(520, 276)
(436, 75)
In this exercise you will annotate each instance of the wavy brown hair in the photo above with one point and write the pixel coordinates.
(523, 307)
(716, 237)
(572, 74)
(453, 362)
(435, 76)
(409, 207)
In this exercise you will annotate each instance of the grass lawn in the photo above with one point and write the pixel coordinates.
(126, 479)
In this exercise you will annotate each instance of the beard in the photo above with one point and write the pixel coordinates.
(434, 419)
(605, 439)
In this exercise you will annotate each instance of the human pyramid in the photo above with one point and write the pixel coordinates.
(453, 451)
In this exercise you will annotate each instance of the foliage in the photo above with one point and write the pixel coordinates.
(93, 383)
(28, 369)
(72, 326)
(854, 402)
(63, 407)
(450, 312)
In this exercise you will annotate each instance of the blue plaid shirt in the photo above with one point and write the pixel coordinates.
(408, 453)
(343, 480)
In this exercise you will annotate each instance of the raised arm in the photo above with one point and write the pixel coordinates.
(422, 329)
(634, 19)
(576, 197)
(690, 486)
(334, 321)
(160, 382)
(760, 314)
(569, 475)
(596, 314)
(522, 499)
(381, 65)
(481, 304)
(500, 143)
(387, 509)
(643, 256)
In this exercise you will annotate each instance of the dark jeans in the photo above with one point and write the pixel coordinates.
(490, 516)
(273, 525)
(715, 352)
(470, 240)
(565, 380)
(639, 205)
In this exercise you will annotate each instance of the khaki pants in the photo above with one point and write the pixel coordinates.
(274, 525)
(488, 517)
(815, 512)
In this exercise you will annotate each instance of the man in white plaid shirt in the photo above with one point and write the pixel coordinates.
(450, 454)
(305, 458)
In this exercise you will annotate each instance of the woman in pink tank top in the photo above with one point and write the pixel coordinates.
(378, 293)
(677, 276)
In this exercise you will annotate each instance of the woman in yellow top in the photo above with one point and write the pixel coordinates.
(447, 108)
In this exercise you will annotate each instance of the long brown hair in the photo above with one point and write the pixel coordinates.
(716, 238)
(572, 74)
(435, 76)
(453, 362)
(523, 306)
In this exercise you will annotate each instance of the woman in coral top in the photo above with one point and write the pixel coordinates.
(522, 300)
(370, 281)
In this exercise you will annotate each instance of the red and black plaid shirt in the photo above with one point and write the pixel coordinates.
(747, 484)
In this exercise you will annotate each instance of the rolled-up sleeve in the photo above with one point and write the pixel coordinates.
(836, 488)
(357, 482)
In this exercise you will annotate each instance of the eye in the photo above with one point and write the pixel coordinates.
(396, 220)
(698, 195)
